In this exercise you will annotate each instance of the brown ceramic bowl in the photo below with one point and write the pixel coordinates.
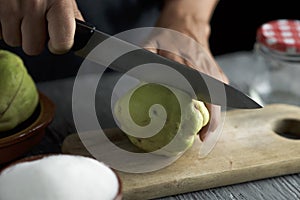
(24, 137)
(37, 157)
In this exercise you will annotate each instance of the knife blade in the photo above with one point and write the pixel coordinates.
(205, 87)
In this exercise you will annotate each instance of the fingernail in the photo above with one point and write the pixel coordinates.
(54, 50)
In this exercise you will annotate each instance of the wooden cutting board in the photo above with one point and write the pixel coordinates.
(249, 149)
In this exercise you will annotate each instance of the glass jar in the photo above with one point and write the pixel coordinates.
(277, 50)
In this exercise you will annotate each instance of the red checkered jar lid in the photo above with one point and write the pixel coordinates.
(280, 35)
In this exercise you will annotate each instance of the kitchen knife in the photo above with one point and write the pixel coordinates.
(206, 88)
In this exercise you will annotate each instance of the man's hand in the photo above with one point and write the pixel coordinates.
(188, 52)
(191, 19)
(29, 23)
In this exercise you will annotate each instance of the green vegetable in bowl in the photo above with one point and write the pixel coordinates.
(150, 103)
(18, 93)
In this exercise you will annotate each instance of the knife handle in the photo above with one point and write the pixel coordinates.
(83, 33)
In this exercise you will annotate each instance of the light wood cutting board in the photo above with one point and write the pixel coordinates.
(249, 149)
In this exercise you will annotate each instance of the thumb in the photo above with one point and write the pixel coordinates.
(214, 121)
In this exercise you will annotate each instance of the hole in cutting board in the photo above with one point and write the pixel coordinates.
(288, 128)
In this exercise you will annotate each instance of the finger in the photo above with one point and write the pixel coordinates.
(214, 120)
(34, 28)
(171, 55)
(11, 31)
(150, 45)
(210, 134)
(77, 12)
(33, 35)
(153, 50)
(61, 27)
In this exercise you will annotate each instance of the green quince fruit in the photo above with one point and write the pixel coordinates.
(171, 116)
(18, 93)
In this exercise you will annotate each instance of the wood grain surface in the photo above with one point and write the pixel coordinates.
(249, 149)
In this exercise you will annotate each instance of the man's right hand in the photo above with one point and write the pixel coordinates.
(29, 23)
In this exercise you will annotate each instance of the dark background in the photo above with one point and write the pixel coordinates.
(235, 22)
(233, 28)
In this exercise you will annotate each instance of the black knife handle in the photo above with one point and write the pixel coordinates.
(83, 33)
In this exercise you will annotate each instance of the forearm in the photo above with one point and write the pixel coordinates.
(192, 15)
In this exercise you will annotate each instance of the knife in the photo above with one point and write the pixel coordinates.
(205, 87)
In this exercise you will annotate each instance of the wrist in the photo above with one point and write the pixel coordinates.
(191, 17)
(186, 23)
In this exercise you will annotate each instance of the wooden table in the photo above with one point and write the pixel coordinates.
(284, 187)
